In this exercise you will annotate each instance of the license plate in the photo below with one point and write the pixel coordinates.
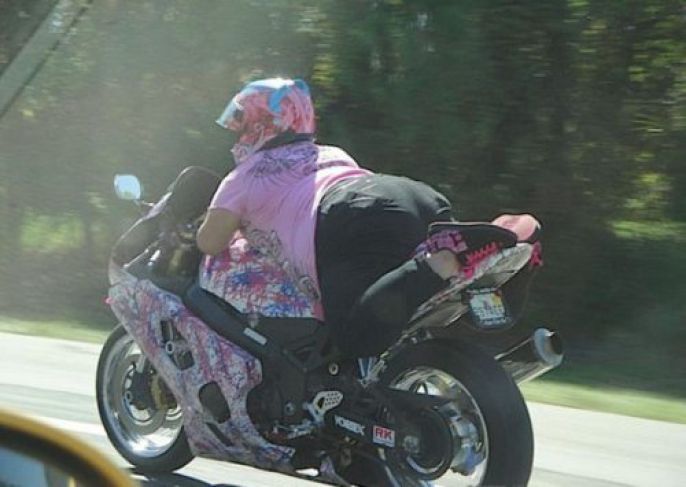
(488, 308)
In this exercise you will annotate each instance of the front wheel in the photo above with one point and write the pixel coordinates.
(486, 416)
(139, 413)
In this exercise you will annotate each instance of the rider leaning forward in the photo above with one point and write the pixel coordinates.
(349, 237)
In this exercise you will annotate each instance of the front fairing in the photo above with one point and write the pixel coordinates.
(117, 275)
(247, 279)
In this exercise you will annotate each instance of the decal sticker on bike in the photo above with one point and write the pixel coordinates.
(255, 336)
(383, 436)
(349, 424)
(488, 308)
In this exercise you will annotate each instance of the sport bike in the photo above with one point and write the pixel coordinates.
(204, 363)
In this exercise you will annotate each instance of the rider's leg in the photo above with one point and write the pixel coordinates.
(382, 312)
(366, 229)
(366, 319)
(365, 234)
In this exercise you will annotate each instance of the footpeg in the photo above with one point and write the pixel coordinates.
(323, 402)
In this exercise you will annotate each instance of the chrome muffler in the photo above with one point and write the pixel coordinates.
(533, 357)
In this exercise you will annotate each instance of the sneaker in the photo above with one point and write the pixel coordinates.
(470, 242)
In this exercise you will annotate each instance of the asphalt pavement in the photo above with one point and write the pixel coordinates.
(54, 380)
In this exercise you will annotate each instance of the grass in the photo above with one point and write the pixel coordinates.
(613, 400)
(68, 330)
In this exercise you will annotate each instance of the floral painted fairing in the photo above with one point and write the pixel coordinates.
(141, 308)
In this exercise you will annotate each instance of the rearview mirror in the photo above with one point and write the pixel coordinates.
(33, 454)
(127, 187)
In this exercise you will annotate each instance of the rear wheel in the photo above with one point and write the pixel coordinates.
(139, 413)
(485, 425)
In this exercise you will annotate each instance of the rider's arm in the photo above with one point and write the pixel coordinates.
(216, 230)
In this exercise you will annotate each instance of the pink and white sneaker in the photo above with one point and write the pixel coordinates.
(470, 242)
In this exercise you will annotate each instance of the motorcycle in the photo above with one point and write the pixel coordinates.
(201, 366)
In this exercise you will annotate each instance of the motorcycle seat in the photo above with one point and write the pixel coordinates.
(230, 323)
(215, 312)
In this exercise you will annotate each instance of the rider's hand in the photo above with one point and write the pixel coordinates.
(187, 231)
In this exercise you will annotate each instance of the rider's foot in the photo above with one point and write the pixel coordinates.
(444, 264)
(469, 243)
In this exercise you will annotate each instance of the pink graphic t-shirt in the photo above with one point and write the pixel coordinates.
(276, 194)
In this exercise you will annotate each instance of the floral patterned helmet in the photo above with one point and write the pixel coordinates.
(265, 109)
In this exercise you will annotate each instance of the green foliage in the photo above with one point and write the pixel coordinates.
(45, 234)
(650, 230)
(570, 109)
(68, 330)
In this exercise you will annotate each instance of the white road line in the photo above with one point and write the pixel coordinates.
(72, 426)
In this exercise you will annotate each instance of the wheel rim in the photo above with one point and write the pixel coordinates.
(466, 423)
(148, 432)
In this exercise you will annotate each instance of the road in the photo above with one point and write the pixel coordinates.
(54, 380)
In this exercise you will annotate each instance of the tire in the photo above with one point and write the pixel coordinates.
(168, 458)
(510, 443)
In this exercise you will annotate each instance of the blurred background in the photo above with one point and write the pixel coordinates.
(572, 110)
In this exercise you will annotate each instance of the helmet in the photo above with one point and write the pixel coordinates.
(265, 109)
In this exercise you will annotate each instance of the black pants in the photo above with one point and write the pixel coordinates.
(367, 230)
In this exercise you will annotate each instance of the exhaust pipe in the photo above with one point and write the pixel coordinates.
(533, 357)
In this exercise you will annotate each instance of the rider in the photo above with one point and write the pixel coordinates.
(347, 236)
